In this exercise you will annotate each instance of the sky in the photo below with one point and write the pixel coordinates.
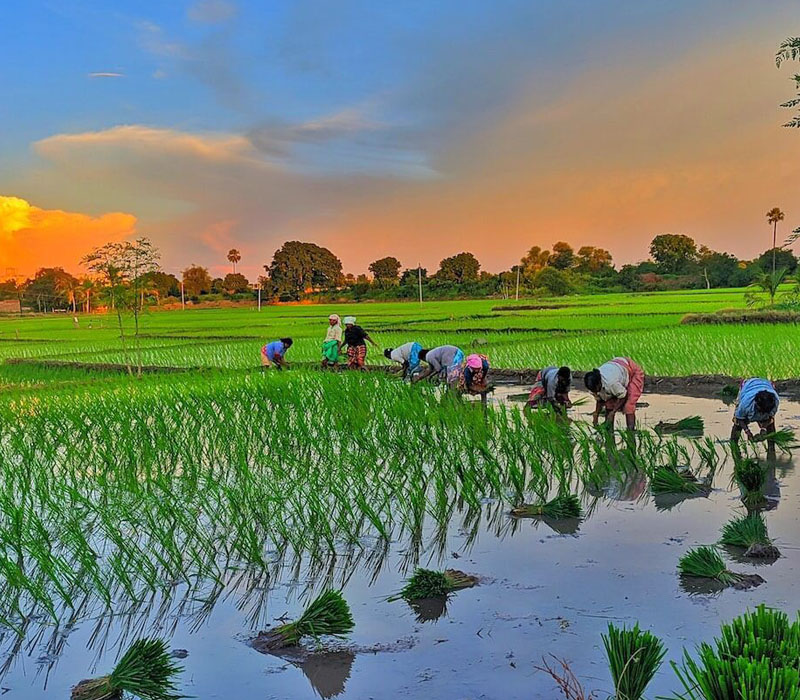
(415, 128)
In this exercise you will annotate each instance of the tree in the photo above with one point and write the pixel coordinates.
(459, 268)
(196, 281)
(52, 287)
(553, 281)
(674, 252)
(774, 216)
(412, 275)
(789, 50)
(235, 283)
(718, 269)
(297, 267)
(591, 259)
(124, 266)
(776, 259)
(385, 270)
(234, 256)
(533, 261)
(765, 283)
(162, 284)
(562, 257)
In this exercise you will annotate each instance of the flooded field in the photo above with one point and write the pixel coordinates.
(545, 588)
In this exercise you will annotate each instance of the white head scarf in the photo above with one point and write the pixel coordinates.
(334, 317)
(349, 320)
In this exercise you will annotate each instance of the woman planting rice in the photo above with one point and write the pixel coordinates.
(757, 403)
(407, 356)
(551, 389)
(355, 338)
(616, 385)
(444, 361)
(474, 374)
(274, 353)
(333, 342)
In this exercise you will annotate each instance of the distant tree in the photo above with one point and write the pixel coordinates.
(777, 258)
(459, 268)
(299, 266)
(591, 259)
(196, 281)
(217, 285)
(412, 274)
(562, 257)
(717, 269)
(235, 283)
(765, 283)
(533, 261)
(69, 287)
(789, 50)
(629, 277)
(52, 287)
(385, 271)
(554, 282)
(124, 267)
(674, 252)
(362, 279)
(234, 256)
(163, 284)
(774, 216)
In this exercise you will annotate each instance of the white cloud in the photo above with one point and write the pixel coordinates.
(106, 74)
(211, 11)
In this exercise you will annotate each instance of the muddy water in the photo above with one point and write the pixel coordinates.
(543, 592)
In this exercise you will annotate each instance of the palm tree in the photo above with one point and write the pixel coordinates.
(234, 256)
(774, 215)
(767, 283)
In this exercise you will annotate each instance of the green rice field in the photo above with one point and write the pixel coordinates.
(207, 506)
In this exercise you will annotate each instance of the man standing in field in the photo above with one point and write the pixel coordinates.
(616, 385)
(445, 361)
(355, 338)
(757, 403)
(275, 353)
(551, 389)
(407, 356)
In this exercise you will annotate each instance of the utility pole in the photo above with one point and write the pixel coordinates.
(517, 282)
(419, 280)
(183, 298)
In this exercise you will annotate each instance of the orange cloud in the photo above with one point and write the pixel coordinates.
(31, 237)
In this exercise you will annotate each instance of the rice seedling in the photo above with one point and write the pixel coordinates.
(756, 656)
(706, 562)
(750, 532)
(634, 657)
(565, 505)
(145, 671)
(328, 614)
(668, 480)
(426, 583)
(784, 439)
(692, 424)
(750, 475)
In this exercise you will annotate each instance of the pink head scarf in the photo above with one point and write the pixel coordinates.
(474, 361)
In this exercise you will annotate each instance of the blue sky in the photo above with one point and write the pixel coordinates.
(242, 122)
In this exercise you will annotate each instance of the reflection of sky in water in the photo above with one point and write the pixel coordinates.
(548, 588)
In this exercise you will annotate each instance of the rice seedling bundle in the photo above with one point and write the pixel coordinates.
(634, 657)
(756, 656)
(426, 583)
(745, 531)
(145, 671)
(750, 475)
(692, 424)
(565, 505)
(328, 614)
(783, 439)
(706, 562)
(668, 480)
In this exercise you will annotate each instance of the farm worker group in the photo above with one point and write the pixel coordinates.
(616, 385)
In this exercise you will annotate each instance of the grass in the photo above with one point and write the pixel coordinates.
(328, 614)
(634, 657)
(669, 480)
(756, 656)
(426, 583)
(145, 671)
(706, 562)
(565, 505)
(745, 531)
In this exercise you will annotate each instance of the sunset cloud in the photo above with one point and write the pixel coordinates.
(31, 237)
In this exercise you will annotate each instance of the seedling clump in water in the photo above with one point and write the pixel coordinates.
(706, 562)
(145, 671)
(634, 657)
(750, 476)
(692, 424)
(566, 505)
(426, 583)
(328, 614)
(750, 532)
(669, 480)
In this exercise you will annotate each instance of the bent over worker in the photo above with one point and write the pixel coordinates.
(407, 356)
(757, 403)
(616, 385)
(274, 353)
(551, 388)
(444, 361)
